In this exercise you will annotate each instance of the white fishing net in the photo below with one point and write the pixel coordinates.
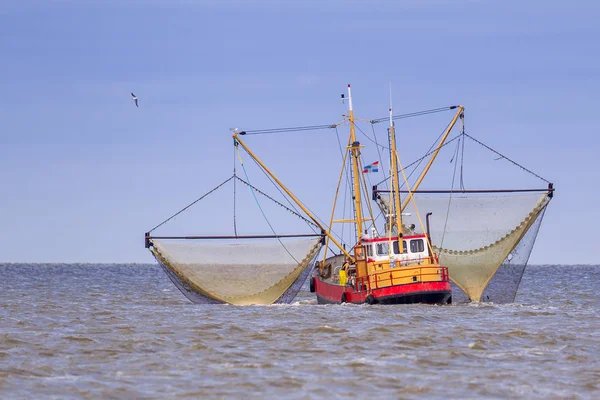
(242, 272)
(474, 235)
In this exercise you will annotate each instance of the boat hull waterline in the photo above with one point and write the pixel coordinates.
(418, 292)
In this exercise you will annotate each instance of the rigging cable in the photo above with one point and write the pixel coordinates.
(419, 160)
(261, 210)
(191, 204)
(508, 159)
(296, 211)
(367, 196)
(311, 224)
(414, 114)
(292, 129)
(449, 198)
(380, 158)
(235, 145)
(429, 152)
(342, 155)
(377, 146)
(378, 153)
(286, 197)
(462, 154)
(331, 126)
(337, 133)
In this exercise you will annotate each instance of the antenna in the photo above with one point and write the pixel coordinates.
(349, 98)
(391, 104)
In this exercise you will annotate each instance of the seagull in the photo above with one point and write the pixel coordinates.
(135, 99)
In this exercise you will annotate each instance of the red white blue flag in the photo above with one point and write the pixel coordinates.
(374, 167)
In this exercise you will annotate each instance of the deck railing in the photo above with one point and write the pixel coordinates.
(402, 276)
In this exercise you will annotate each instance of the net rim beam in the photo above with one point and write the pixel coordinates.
(149, 238)
(550, 189)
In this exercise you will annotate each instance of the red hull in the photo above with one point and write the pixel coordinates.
(418, 292)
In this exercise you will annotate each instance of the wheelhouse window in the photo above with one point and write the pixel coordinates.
(382, 249)
(369, 250)
(397, 247)
(417, 246)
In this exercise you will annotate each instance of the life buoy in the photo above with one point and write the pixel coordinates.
(343, 300)
(370, 299)
(311, 284)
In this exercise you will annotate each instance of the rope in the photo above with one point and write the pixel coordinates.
(262, 212)
(331, 126)
(235, 145)
(508, 159)
(414, 203)
(364, 187)
(368, 177)
(462, 161)
(295, 210)
(372, 141)
(378, 153)
(337, 134)
(276, 202)
(450, 198)
(413, 114)
(191, 204)
(342, 156)
(419, 160)
(311, 224)
(430, 151)
(292, 129)
(348, 173)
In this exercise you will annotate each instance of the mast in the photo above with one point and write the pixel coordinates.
(395, 184)
(355, 151)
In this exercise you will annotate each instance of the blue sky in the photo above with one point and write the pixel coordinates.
(84, 173)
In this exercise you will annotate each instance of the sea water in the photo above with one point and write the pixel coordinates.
(125, 332)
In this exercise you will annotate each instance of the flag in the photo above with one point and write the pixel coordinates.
(371, 167)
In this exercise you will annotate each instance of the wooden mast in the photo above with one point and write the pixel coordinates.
(356, 171)
(397, 210)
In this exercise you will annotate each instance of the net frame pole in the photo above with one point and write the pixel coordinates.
(550, 189)
(149, 238)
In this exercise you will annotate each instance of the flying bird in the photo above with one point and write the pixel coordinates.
(135, 99)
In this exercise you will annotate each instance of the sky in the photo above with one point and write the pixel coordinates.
(84, 173)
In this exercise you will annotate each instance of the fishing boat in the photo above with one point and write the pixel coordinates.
(473, 243)
(391, 268)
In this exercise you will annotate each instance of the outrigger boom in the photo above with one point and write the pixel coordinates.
(290, 194)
